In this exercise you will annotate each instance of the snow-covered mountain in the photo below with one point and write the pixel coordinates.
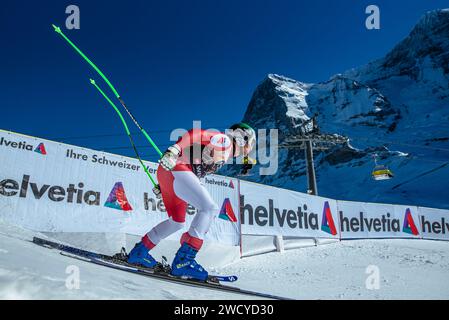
(396, 107)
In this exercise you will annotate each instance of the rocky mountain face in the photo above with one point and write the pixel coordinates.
(396, 107)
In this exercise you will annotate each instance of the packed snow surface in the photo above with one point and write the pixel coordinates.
(408, 269)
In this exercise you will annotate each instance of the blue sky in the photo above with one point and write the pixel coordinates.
(176, 61)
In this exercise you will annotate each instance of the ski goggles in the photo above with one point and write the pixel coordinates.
(242, 138)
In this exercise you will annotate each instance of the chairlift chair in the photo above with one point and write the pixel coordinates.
(382, 172)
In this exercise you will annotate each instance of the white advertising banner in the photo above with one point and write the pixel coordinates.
(434, 223)
(375, 220)
(273, 211)
(54, 187)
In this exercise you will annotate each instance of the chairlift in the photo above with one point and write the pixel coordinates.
(381, 172)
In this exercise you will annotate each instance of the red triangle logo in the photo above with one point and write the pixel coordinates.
(226, 212)
(409, 224)
(41, 149)
(117, 198)
(327, 224)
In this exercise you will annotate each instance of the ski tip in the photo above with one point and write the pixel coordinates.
(92, 81)
(57, 29)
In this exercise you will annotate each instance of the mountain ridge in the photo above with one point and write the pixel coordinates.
(396, 107)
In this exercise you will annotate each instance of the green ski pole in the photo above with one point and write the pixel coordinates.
(127, 132)
(58, 30)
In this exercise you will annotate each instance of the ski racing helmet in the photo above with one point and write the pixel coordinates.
(242, 134)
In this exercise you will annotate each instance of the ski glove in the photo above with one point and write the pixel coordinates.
(248, 164)
(168, 160)
(157, 192)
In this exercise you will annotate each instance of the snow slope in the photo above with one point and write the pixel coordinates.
(409, 269)
(28, 271)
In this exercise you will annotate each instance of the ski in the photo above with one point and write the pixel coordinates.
(160, 272)
(161, 269)
(120, 259)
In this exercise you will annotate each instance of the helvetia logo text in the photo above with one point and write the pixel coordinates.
(117, 198)
(226, 211)
(384, 223)
(220, 182)
(434, 226)
(23, 145)
(74, 193)
(299, 218)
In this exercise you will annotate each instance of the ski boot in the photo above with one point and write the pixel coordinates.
(185, 266)
(140, 256)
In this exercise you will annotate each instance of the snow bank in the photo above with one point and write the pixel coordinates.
(408, 269)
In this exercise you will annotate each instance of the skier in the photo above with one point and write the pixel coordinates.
(194, 155)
